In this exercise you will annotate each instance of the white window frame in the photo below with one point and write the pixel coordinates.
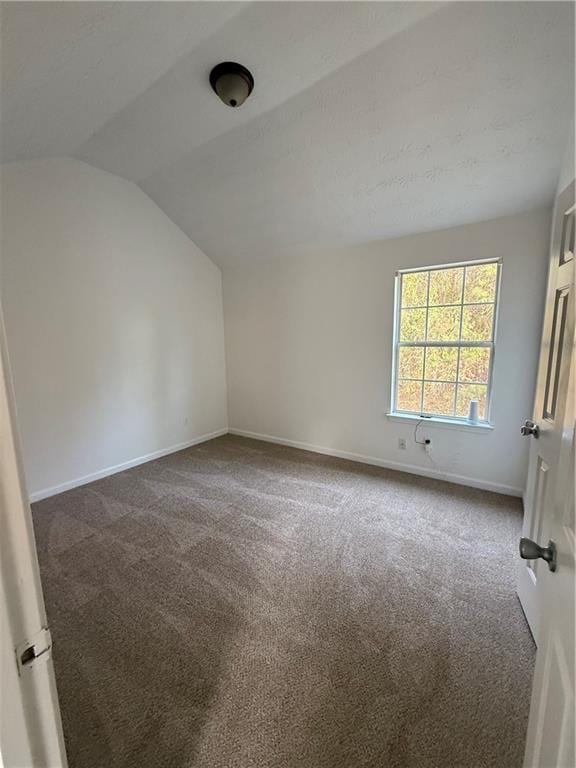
(397, 344)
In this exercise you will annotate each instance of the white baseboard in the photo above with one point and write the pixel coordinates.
(67, 486)
(398, 466)
(472, 482)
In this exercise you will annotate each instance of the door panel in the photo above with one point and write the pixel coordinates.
(567, 244)
(542, 475)
(555, 707)
(561, 301)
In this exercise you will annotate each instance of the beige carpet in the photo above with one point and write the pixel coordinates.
(243, 605)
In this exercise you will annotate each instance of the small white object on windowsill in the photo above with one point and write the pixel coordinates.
(473, 411)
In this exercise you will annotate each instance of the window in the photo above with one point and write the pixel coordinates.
(444, 340)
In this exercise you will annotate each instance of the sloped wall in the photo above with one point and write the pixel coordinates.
(114, 322)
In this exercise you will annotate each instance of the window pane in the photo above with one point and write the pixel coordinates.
(441, 363)
(477, 322)
(414, 289)
(412, 324)
(410, 362)
(467, 392)
(480, 284)
(474, 364)
(446, 286)
(444, 323)
(439, 398)
(409, 395)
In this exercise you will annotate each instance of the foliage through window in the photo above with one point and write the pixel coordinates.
(444, 339)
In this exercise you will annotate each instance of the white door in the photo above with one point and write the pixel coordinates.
(30, 728)
(544, 429)
(546, 578)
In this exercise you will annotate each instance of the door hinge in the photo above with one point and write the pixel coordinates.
(35, 649)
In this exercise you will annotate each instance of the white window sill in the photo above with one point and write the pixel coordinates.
(436, 421)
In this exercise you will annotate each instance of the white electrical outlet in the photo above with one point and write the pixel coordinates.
(402, 443)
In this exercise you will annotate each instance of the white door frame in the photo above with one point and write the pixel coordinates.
(30, 727)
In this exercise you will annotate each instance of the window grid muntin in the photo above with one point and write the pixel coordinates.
(426, 334)
(460, 339)
(444, 306)
(445, 381)
(459, 344)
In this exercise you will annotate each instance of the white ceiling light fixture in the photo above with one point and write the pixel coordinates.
(232, 82)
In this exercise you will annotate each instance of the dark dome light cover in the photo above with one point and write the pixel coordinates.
(232, 82)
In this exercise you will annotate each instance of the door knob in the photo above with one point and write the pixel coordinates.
(529, 428)
(529, 550)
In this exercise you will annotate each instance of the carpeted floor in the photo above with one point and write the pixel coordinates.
(243, 605)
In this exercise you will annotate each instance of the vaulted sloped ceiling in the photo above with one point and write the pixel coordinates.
(368, 120)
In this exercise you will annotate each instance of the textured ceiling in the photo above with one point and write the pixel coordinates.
(69, 67)
(368, 120)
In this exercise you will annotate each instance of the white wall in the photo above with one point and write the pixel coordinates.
(114, 322)
(309, 339)
(567, 169)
